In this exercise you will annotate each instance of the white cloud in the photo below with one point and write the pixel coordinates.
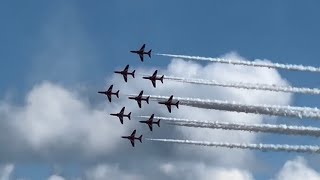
(297, 169)
(55, 122)
(56, 177)
(201, 171)
(6, 171)
(104, 171)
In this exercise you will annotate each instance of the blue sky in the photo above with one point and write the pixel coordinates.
(34, 35)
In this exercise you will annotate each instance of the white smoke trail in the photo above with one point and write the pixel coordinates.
(261, 147)
(291, 67)
(266, 87)
(267, 128)
(287, 111)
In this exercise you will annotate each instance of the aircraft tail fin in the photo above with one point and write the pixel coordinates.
(149, 53)
(129, 116)
(140, 138)
(117, 93)
(161, 79)
(177, 104)
(158, 123)
(133, 73)
(147, 99)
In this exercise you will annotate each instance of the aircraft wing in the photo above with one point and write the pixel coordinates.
(139, 103)
(122, 111)
(132, 143)
(155, 73)
(150, 127)
(109, 97)
(133, 133)
(110, 88)
(140, 94)
(169, 108)
(121, 119)
(153, 83)
(141, 57)
(142, 48)
(126, 68)
(125, 77)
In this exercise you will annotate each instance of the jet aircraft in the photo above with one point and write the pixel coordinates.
(109, 93)
(150, 122)
(169, 103)
(154, 78)
(140, 98)
(125, 73)
(132, 137)
(141, 52)
(121, 114)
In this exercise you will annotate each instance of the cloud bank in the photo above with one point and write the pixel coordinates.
(60, 124)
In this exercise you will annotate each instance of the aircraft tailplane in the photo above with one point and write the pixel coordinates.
(149, 53)
(177, 104)
(140, 138)
(158, 123)
(147, 99)
(129, 116)
(161, 79)
(133, 73)
(117, 93)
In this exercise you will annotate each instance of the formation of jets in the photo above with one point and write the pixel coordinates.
(140, 97)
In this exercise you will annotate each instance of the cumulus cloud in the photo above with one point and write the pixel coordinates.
(203, 172)
(297, 169)
(60, 124)
(105, 171)
(55, 121)
(6, 171)
(56, 177)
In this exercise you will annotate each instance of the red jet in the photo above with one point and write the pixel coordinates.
(109, 93)
(121, 114)
(169, 103)
(154, 77)
(139, 98)
(132, 138)
(125, 73)
(141, 52)
(150, 122)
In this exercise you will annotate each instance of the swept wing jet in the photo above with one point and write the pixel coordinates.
(109, 93)
(154, 78)
(125, 73)
(140, 98)
(150, 122)
(121, 114)
(132, 137)
(169, 103)
(141, 52)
